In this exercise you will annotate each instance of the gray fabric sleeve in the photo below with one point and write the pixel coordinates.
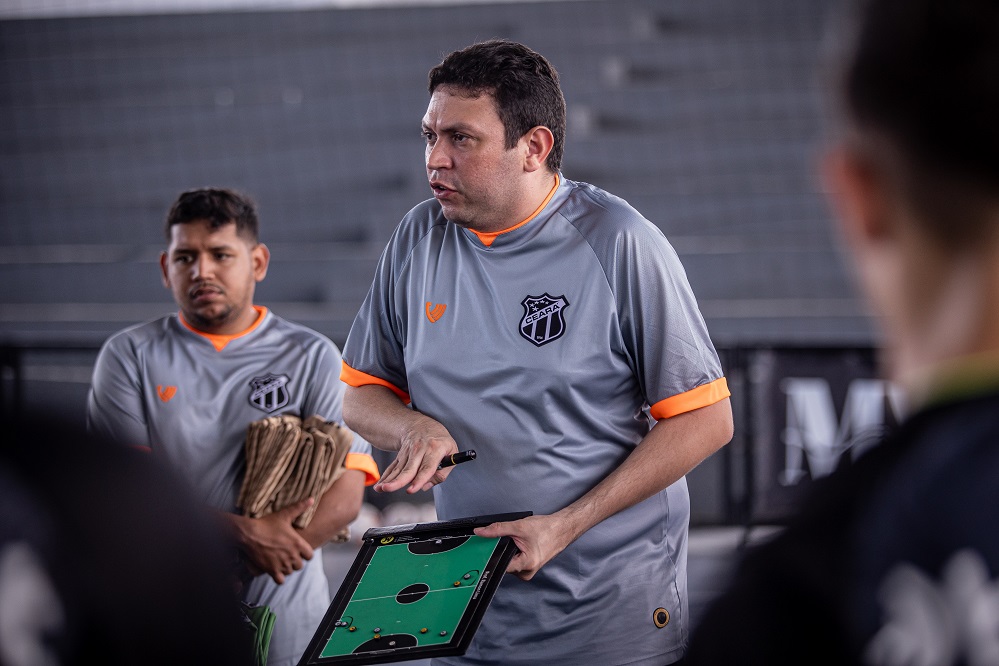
(661, 327)
(377, 337)
(325, 391)
(115, 402)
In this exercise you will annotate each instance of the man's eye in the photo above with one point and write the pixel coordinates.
(459, 138)
(182, 259)
(429, 137)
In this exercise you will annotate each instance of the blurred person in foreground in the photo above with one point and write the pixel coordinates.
(895, 560)
(187, 385)
(549, 326)
(106, 558)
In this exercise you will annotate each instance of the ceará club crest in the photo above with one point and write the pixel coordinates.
(270, 392)
(544, 319)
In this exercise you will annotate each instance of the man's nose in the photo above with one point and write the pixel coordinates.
(437, 156)
(204, 267)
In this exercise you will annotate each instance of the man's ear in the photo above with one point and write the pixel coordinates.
(537, 143)
(163, 269)
(860, 197)
(261, 258)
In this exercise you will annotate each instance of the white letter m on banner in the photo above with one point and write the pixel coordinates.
(813, 433)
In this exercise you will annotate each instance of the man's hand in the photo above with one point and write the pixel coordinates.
(379, 416)
(671, 449)
(421, 451)
(271, 543)
(539, 538)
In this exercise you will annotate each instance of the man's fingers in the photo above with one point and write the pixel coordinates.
(408, 469)
(293, 511)
(415, 466)
(394, 481)
(525, 563)
(395, 466)
(392, 469)
(299, 544)
(396, 475)
(492, 530)
(292, 565)
(285, 567)
(518, 567)
(427, 476)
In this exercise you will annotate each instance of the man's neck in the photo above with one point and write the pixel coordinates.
(529, 202)
(963, 325)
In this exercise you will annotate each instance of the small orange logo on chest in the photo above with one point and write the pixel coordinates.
(435, 312)
(166, 392)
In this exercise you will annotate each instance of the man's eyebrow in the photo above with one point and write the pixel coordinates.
(214, 248)
(458, 128)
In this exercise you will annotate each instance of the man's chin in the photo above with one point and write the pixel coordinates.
(208, 319)
(455, 217)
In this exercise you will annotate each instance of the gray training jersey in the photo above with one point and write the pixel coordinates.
(549, 349)
(188, 397)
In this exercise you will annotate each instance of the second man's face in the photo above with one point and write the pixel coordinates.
(212, 274)
(472, 174)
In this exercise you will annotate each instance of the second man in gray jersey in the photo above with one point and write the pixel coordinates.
(186, 386)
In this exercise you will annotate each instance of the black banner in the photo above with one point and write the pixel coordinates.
(812, 409)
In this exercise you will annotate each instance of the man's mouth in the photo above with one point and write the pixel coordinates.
(204, 293)
(440, 188)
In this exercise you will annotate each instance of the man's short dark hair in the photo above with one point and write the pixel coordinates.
(219, 206)
(523, 83)
(923, 75)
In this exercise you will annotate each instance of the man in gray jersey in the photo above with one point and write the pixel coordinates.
(549, 326)
(186, 387)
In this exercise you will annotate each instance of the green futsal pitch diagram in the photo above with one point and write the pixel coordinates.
(413, 591)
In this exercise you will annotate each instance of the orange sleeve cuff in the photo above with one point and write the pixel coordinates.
(362, 462)
(688, 401)
(356, 378)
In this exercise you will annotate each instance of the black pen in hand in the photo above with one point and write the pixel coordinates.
(456, 458)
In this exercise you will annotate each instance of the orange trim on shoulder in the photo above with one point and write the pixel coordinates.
(688, 401)
(362, 462)
(356, 378)
(220, 341)
(489, 238)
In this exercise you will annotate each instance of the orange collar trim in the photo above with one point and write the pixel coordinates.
(220, 341)
(488, 238)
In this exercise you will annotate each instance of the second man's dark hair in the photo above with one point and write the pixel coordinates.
(523, 83)
(219, 206)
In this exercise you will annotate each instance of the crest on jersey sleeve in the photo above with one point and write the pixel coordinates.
(543, 319)
(270, 392)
